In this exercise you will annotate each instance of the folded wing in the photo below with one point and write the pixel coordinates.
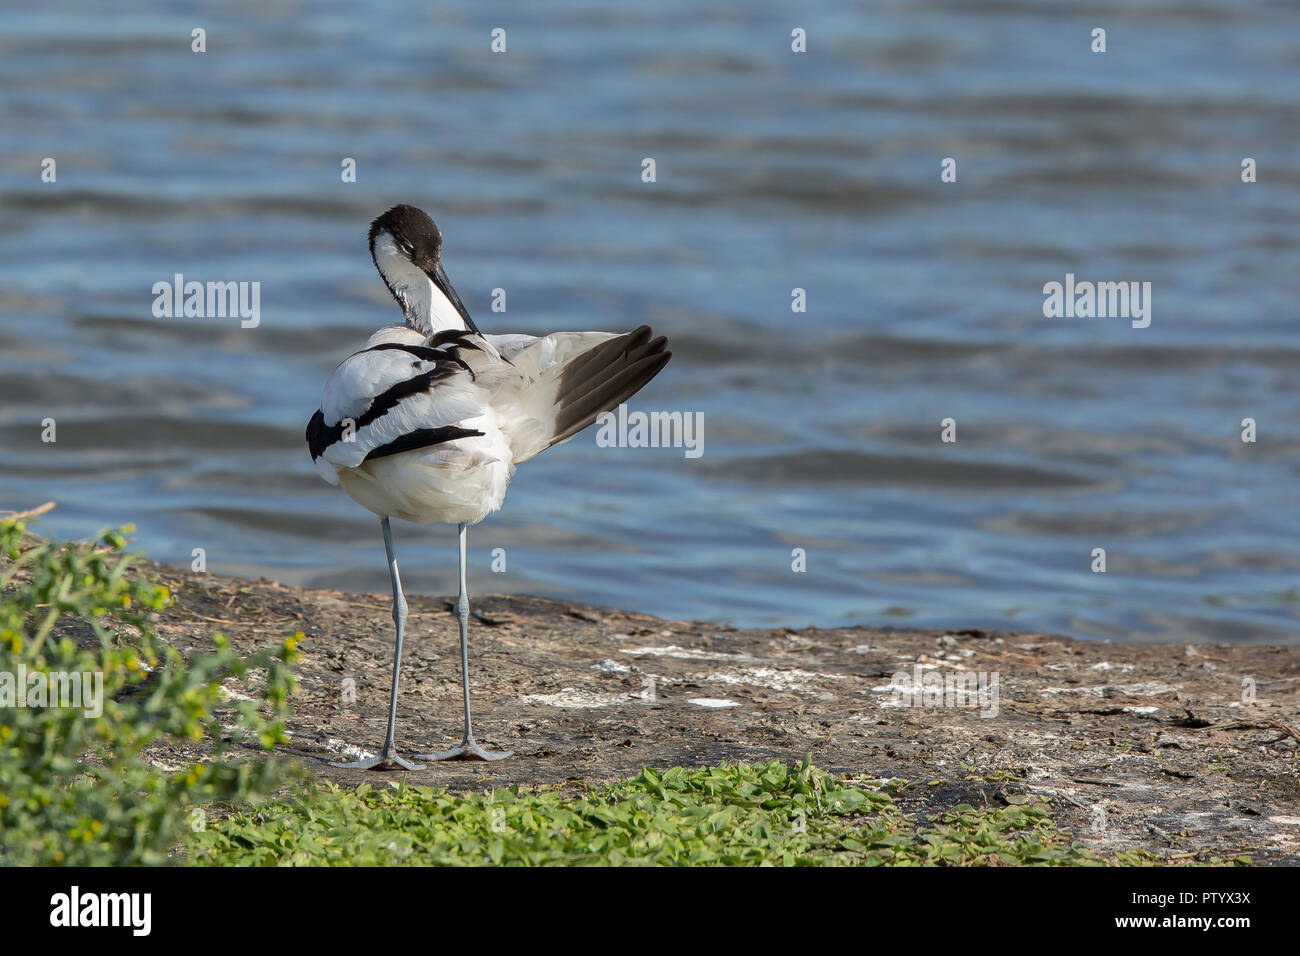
(391, 398)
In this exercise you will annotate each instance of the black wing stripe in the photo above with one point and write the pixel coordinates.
(450, 335)
(457, 338)
(321, 436)
(425, 352)
(434, 352)
(422, 438)
(389, 399)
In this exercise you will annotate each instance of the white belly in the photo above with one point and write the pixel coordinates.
(459, 482)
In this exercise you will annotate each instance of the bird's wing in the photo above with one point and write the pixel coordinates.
(558, 384)
(397, 396)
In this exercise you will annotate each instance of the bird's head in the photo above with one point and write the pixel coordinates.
(407, 248)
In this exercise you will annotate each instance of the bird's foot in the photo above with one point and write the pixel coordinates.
(387, 760)
(467, 749)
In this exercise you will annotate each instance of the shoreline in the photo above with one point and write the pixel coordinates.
(1139, 746)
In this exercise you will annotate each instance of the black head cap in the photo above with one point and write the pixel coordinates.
(416, 237)
(413, 232)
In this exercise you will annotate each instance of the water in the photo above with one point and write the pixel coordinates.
(775, 171)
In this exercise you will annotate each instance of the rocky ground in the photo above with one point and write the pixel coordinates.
(1188, 751)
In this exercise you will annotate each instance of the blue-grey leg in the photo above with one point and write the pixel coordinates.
(467, 749)
(388, 758)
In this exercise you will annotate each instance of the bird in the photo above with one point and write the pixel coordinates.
(428, 422)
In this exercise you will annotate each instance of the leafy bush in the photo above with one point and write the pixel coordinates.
(76, 786)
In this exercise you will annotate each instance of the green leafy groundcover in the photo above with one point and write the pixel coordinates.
(741, 814)
(76, 784)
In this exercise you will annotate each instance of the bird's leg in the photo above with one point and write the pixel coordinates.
(388, 758)
(467, 749)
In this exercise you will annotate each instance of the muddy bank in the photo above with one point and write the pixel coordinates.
(1188, 751)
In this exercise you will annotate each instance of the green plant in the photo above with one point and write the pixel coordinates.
(732, 814)
(86, 687)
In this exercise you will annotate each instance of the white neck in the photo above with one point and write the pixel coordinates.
(427, 310)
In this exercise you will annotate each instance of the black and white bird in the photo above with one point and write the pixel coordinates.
(429, 420)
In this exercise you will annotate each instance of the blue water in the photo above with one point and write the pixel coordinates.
(775, 170)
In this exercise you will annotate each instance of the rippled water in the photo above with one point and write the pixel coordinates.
(774, 171)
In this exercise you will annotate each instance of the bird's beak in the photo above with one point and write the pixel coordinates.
(439, 279)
